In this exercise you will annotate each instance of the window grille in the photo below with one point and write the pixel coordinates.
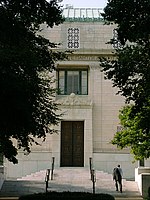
(116, 43)
(73, 38)
(119, 128)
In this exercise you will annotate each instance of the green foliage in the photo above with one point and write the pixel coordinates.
(133, 133)
(130, 72)
(26, 60)
(132, 18)
(67, 196)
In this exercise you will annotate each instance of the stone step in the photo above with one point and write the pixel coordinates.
(37, 176)
(73, 180)
(64, 173)
(117, 198)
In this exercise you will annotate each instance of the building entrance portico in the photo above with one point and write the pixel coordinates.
(75, 137)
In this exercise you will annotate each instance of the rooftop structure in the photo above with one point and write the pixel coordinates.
(82, 14)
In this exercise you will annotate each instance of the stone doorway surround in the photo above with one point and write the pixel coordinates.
(77, 108)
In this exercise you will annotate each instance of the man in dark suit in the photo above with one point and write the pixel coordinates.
(117, 177)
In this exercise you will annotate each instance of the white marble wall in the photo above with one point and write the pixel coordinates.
(100, 118)
(34, 162)
(107, 161)
(93, 36)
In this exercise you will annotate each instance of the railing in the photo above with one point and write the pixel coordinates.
(48, 173)
(91, 165)
(92, 173)
(47, 178)
(52, 170)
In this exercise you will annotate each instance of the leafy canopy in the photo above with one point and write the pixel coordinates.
(133, 134)
(26, 61)
(130, 71)
(132, 19)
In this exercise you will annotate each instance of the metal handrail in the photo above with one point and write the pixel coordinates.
(93, 174)
(49, 173)
(47, 178)
(91, 165)
(52, 170)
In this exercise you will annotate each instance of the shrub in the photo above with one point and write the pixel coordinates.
(67, 196)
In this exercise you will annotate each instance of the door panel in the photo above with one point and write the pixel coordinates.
(78, 146)
(72, 143)
(66, 144)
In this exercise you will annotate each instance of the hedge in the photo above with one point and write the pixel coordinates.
(67, 196)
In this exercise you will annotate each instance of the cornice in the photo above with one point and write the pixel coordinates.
(90, 55)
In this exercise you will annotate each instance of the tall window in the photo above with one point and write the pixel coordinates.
(72, 81)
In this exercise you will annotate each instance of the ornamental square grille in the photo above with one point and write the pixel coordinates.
(119, 128)
(116, 43)
(73, 38)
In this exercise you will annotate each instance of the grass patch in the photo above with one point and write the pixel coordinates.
(67, 196)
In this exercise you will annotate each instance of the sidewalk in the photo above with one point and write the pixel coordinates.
(70, 179)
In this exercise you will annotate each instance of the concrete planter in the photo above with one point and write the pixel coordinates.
(2, 177)
(142, 177)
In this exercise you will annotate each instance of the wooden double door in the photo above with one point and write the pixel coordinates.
(72, 144)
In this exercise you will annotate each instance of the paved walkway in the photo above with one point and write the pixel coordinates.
(70, 179)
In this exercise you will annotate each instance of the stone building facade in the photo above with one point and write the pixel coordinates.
(88, 102)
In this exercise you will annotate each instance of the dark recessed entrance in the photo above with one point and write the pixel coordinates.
(72, 144)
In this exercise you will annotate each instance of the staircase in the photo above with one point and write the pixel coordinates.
(37, 176)
(77, 179)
